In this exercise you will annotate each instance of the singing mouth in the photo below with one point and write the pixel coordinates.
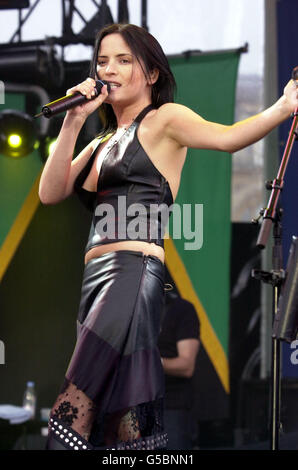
(114, 85)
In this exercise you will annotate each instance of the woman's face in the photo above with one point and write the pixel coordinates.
(117, 65)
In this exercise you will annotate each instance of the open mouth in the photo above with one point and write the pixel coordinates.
(114, 85)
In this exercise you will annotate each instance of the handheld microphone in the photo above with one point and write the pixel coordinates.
(69, 101)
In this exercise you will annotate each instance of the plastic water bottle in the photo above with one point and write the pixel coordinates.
(29, 401)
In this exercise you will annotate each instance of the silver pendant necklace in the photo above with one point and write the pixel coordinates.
(114, 139)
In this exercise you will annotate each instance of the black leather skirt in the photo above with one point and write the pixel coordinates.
(116, 362)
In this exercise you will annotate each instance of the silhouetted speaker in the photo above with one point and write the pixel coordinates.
(245, 313)
(285, 326)
(254, 411)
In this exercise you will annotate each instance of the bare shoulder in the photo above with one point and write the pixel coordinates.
(168, 111)
(165, 118)
(175, 116)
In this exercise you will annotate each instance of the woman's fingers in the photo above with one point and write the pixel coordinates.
(86, 88)
(291, 94)
(104, 91)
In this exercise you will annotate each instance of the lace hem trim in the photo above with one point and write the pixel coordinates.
(74, 441)
(67, 436)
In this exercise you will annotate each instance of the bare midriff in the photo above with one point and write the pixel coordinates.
(144, 247)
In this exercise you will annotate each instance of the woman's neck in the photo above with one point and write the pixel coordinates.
(125, 116)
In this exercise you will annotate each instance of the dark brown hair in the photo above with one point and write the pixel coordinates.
(148, 51)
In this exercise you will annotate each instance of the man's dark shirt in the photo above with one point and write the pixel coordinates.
(180, 321)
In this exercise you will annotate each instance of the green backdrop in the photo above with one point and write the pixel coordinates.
(207, 84)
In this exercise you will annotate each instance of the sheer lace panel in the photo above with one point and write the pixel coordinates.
(121, 426)
(132, 423)
(77, 411)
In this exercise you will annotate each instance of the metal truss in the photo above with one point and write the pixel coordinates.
(69, 10)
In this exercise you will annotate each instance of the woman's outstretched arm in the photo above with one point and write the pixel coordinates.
(189, 129)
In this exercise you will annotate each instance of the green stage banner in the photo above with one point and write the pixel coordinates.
(200, 265)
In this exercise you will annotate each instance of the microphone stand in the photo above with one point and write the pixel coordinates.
(273, 215)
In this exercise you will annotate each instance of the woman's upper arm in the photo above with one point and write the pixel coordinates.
(189, 129)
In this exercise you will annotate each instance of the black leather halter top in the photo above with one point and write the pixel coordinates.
(133, 199)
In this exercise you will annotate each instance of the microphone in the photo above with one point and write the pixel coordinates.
(70, 101)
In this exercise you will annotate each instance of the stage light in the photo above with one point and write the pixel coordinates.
(14, 141)
(51, 145)
(18, 137)
(46, 146)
